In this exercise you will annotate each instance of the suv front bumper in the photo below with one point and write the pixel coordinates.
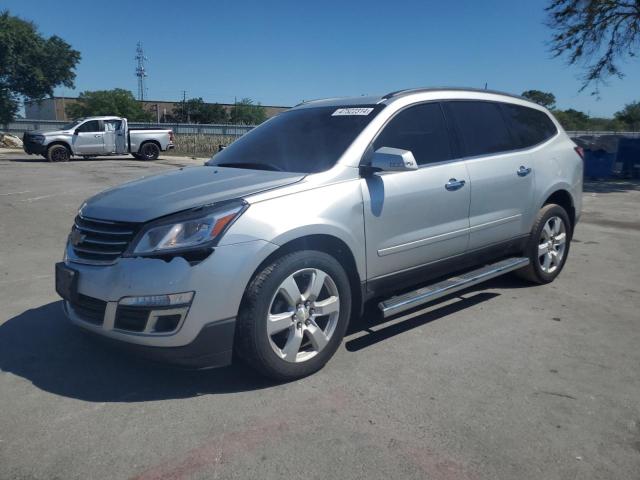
(203, 333)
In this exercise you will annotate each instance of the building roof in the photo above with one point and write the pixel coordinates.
(151, 101)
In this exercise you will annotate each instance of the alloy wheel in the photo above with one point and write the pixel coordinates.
(303, 315)
(552, 244)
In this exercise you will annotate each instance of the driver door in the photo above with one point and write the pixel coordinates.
(88, 138)
(416, 217)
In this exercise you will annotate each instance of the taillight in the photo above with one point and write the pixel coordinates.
(580, 151)
(171, 135)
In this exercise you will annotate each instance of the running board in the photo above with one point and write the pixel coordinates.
(399, 304)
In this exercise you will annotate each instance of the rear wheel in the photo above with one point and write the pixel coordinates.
(548, 245)
(58, 153)
(294, 315)
(149, 151)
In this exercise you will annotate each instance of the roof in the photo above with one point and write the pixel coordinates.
(389, 97)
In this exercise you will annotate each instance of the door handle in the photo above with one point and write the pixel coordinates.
(454, 184)
(523, 171)
(98, 136)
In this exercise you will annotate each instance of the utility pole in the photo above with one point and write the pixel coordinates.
(184, 105)
(141, 71)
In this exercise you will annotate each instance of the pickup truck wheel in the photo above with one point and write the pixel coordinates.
(149, 151)
(548, 245)
(58, 153)
(294, 315)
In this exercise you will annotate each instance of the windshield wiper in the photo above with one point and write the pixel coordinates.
(250, 165)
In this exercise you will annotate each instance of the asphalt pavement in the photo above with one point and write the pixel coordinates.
(504, 381)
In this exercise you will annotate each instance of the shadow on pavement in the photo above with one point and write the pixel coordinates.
(610, 186)
(407, 321)
(39, 159)
(41, 346)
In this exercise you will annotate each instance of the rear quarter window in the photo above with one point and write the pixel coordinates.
(528, 126)
(482, 127)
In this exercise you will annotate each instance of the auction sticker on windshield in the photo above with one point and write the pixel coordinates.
(352, 111)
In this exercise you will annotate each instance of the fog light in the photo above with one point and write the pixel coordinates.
(170, 300)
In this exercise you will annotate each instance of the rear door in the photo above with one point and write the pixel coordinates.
(417, 217)
(114, 139)
(500, 172)
(88, 138)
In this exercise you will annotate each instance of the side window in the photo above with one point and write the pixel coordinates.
(420, 129)
(90, 127)
(481, 126)
(528, 126)
(112, 125)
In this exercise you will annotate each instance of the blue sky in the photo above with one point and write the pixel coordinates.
(282, 52)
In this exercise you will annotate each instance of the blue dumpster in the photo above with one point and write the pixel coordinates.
(629, 155)
(598, 163)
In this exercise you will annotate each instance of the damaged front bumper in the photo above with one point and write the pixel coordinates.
(169, 310)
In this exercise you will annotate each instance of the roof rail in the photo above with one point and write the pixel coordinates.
(409, 91)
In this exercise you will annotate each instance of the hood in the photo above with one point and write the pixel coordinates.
(47, 132)
(159, 195)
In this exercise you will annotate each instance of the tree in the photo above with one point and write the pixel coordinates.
(118, 102)
(195, 110)
(248, 113)
(572, 119)
(630, 115)
(31, 66)
(546, 99)
(595, 33)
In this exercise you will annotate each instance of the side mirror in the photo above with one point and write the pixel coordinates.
(387, 159)
(76, 132)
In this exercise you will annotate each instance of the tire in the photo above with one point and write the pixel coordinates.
(149, 151)
(136, 156)
(294, 344)
(548, 245)
(58, 153)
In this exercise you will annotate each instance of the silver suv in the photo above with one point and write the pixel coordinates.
(269, 249)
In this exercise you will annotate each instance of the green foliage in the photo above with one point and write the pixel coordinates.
(630, 115)
(546, 99)
(572, 119)
(595, 33)
(31, 65)
(195, 110)
(625, 120)
(118, 102)
(248, 113)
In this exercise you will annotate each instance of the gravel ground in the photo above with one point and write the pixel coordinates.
(505, 381)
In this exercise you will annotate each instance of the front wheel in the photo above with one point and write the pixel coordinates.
(58, 153)
(294, 315)
(548, 245)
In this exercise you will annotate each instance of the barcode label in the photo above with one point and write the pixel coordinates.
(352, 111)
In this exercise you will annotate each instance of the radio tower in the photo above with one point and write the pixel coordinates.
(141, 71)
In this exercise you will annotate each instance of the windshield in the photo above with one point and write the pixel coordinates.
(71, 125)
(307, 140)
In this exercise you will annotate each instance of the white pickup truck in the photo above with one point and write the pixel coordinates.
(97, 136)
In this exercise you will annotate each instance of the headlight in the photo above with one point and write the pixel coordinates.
(188, 231)
(37, 138)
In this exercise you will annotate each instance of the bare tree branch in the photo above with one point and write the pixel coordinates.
(597, 34)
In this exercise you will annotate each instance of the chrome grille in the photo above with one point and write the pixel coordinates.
(100, 241)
